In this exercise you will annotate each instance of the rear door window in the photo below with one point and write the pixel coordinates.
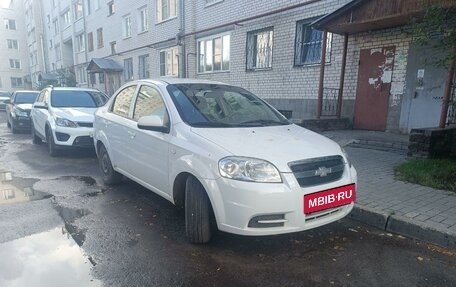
(149, 103)
(123, 100)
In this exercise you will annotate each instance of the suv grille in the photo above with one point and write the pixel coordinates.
(318, 170)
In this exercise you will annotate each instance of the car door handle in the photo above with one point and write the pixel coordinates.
(132, 134)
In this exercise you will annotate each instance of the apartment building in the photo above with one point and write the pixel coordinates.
(14, 64)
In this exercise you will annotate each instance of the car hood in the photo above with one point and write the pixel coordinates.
(24, 107)
(277, 144)
(76, 114)
(3, 98)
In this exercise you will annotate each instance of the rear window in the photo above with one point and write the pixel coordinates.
(25, 98)
(78, 99)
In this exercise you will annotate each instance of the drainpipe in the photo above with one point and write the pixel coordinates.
(447, 93)
(342, 77)
(180, 40)
(42, 52)
(322, 74)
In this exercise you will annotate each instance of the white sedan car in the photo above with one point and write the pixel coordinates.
(63, 117)
(229, 158)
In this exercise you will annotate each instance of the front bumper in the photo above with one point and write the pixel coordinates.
(22, 123)
(74, 137)
(237, 203)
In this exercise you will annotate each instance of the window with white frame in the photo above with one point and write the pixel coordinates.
(90, 41)
(259, 49)
(55, 23)
(58, 52)
(113, 47)
(111, 8)
(143, 20)
(96, 4)
(166, 9)
(100, 38)
(308, 44)
(16, 82)
(82, 75)
(128, 69)
(126, 27)
(12, 44)
(88, 7)
(77, 8)
(80, 42)
(14, 63)
(169, 62)
(66, 18)
(143, 66)
(9, 24)
(214, 54)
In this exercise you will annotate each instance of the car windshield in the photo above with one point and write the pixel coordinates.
(25, 98)
(213, 105)
(77, 99)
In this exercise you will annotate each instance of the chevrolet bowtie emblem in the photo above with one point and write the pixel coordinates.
(322, 171)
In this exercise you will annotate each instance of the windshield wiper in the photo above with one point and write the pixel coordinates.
(262, 123)
(210, 124)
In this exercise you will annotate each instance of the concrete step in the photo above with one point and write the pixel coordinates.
(397, 147)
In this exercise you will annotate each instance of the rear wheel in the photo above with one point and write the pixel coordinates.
(36, 139)
(52, 148)
(197, 212)
(8, 123)
(110, 176)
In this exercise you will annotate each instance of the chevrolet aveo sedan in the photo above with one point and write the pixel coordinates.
(229, 158)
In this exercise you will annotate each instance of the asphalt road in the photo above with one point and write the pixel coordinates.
(61, 227)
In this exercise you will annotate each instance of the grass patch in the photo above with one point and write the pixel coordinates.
(436, 173)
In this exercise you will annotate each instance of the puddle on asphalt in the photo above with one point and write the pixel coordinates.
(13, 190)
(48, 259)
(69, 216)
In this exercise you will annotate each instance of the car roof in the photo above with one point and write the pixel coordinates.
(172, 81)
(26, 91)
(72, 89)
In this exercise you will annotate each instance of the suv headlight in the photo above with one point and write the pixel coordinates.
(17, 112)
(346, 156)
(65, 123)
(248, 169)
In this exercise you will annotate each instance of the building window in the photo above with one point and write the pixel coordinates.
(308, 44)
(111, 8)
(80, 42)
(9, 24)
(126, 30)
(58, 53)
(100, 38)
(77, 10)
(50, 44)
(88, 7)
(14, 64)
(143, 65)
(169, 62)
(7, 4)
(66, 18)
(113, 47)
(96, 4)
(82, 75)
(90, 41)
(143, 20)
(166, 9)
(259, 49)
(128, 69)
(93, 79)
(214, 54)
(12, 44)
(101, 78)
(56, 27)
(16, 82)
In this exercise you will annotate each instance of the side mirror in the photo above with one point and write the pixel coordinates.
(153, 123)
(40, 106)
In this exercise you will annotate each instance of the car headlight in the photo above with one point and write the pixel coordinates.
(65, 123)
(346, 156)
(17, 112)
(248, 169)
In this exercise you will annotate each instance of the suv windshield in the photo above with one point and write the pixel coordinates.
(25, 98)
(211, 105)
(77, 99)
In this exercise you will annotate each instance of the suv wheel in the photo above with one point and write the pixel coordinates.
(110, 176)
(52, 148)
(36, 139)
(197, 212)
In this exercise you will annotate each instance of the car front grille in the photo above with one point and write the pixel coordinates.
(316, 171)
(85, 125)
(83, 141)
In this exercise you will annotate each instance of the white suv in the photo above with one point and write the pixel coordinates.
(225, 155)
(63, 117)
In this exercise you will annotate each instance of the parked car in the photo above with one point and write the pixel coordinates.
(4, 96)
(18, 110)
(63, 117)
(229, 158)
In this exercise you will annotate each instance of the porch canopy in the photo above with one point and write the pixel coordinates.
(99, 65)
(369, 15)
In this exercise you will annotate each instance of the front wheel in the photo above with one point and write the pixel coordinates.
(52, 148)
(197, 212)
(36, 139)
(110, 176)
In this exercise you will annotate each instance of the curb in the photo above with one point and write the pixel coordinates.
(403, 225)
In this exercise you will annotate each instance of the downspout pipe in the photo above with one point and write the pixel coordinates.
(180, 40)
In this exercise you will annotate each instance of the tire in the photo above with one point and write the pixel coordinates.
(36, 139)
(52, 147)
(197, 212)
(8, 123)
(109, 175)
(13, 129)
